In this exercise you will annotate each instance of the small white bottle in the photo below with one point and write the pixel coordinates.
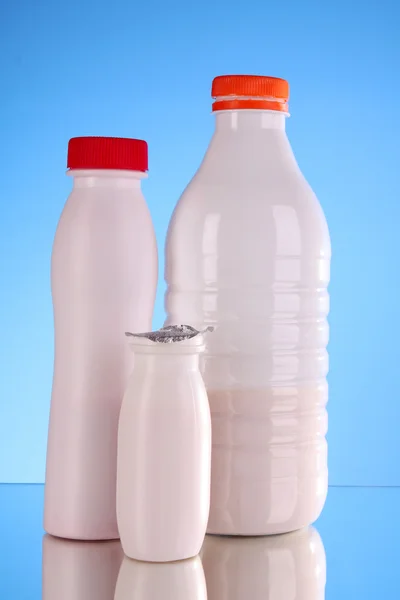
(281, 567)
(79, 570)
(164, 449)
(183, 580)
(103, 280)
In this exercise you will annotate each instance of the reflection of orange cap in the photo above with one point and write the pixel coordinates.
(234, 92)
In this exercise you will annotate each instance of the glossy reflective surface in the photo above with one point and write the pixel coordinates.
(353, 548)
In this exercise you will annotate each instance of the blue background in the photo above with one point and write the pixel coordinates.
(145, 70)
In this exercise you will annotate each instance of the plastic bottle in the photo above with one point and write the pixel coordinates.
(248, 251)
(104, 275)
(283, 567)
(79, 570)
(164, 451)
(183, 580)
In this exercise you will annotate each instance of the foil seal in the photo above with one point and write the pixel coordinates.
(171, 334)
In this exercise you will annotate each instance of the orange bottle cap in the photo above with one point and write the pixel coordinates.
(234, 92)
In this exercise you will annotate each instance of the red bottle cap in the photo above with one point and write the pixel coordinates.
(107, 153)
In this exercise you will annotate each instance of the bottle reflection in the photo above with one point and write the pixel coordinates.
(182, 580)
(74, 570)
(282, 567)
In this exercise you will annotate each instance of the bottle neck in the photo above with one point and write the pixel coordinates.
(105, 178)
(173, 362)
(249, 120)
(248, 144)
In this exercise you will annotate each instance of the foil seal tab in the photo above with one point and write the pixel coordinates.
(171, 334)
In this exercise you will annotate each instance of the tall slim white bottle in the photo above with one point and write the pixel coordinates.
(103, 275)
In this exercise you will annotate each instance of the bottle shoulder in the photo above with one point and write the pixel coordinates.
(267, 204)
(102, 224)
(260, 169)
(86, 208)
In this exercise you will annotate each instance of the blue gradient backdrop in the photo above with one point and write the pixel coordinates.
(144, 70)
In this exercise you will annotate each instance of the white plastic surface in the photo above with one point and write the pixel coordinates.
(164, 453)
(104, 276)
(183, 580)
(79, 570)
(284, 567)
(248, 251)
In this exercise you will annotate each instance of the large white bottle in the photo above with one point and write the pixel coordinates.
(248, 251)
(103, 274)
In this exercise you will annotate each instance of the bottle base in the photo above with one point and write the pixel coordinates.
(65, 534)
(260, 528)
(265, 533)
(159, 556)
(159, 561)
